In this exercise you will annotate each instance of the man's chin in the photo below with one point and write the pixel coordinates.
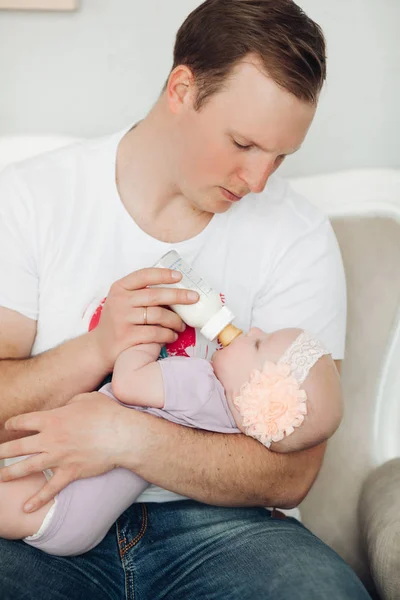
(222, 208)
(214, 204)
(220, 205)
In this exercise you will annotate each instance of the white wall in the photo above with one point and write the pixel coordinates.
(97, 69)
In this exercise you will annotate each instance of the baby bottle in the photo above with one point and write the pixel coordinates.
(209, 314)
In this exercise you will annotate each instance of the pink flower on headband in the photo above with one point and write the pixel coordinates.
(271, 403)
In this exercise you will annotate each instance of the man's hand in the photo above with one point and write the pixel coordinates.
(81, 439)
(135, 313)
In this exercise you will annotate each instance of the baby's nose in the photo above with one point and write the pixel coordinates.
(255, 331)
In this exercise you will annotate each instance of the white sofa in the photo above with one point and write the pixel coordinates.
(364, 207)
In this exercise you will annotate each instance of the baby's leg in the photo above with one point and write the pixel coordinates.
(81, 515)
(85, 510)
(14, 522)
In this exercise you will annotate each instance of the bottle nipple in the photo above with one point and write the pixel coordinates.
(228, 334)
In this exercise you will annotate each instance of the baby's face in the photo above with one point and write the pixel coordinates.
(233, 364)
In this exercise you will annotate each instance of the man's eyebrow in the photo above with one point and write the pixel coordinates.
(249, 142)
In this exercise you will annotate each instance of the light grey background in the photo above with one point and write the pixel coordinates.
(98, 69)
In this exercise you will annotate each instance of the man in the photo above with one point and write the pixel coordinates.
(83, 223)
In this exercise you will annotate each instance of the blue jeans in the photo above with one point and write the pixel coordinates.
(185, 550)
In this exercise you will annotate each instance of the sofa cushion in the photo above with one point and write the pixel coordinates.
(379, 511)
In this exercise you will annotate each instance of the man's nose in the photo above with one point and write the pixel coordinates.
(257, 175)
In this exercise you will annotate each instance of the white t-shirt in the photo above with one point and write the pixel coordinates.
(65, 237)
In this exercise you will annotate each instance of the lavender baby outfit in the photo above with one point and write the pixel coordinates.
(85, 510)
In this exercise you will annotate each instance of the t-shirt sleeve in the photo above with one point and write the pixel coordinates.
(194, 396)
(307, 289)
(18, 264)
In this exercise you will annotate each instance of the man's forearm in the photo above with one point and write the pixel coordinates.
(49, 379)
(220, 469)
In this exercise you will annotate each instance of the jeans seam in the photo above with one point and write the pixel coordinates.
(136, 540)
(123, 549)
(129, 584)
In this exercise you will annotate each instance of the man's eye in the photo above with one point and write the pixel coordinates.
(241, 146)
(257, 344)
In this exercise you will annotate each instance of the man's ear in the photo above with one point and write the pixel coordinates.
(180, 89)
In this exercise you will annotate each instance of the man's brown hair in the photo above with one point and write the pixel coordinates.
(219, 33)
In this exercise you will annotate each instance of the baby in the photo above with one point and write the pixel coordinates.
(281, 388)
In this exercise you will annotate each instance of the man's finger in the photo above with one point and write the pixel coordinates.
(163, 296)
(21, 447)
(53, 487)
(33, 464)
(149, 276)
(27, 422)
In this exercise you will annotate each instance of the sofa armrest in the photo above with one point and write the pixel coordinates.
(379, 512)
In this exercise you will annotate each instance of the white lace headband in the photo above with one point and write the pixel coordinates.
(302, 355)
(271, 403)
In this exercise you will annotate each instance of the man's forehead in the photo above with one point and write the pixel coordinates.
(249, 75)
(249, 88)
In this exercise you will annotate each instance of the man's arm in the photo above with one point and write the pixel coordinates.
(94, 434)
(44, 381)
(220, 469)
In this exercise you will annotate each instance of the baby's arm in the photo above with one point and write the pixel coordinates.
(137, 377)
